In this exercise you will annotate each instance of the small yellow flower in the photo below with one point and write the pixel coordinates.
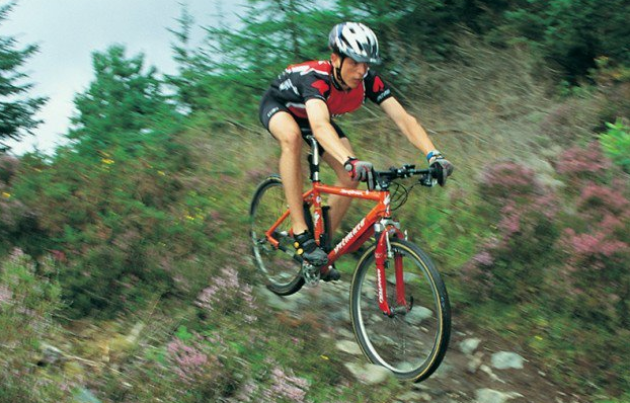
(325, 357)
(107, 161)
(539, 338)
(6, 195)
(161, 173)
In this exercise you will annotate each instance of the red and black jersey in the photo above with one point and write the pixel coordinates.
(314, 79)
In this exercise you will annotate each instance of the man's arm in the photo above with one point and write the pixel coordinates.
(418, 137)
(408, 125)
(324, 132)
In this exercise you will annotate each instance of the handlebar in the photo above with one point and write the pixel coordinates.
(384, 178)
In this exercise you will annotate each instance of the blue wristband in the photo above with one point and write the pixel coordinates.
(433, 154)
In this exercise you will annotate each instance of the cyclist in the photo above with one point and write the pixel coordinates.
(304, 99)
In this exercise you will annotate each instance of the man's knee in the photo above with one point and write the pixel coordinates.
(345, 181)
(285, 129)
(291, 141)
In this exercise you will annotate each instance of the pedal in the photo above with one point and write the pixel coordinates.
(332, 275)
(311, 274)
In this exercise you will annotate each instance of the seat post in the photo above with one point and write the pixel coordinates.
(313, 158)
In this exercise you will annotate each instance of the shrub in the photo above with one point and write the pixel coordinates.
(190, 359)
(24, 291)
(595, 251)
(195, 359)
(107, 280)
(508, 181)
(583, 163)
(613, 83)
(19, 224)
(616, 144)
(511, 267)
(8, 167)
(228, 296)
(27, 303)
(602, 201)
(286, 387)
(571, 121)
(597, 248)
(565, 257)
(477, 274)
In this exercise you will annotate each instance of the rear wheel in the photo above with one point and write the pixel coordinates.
(280, 266)
(412, 342)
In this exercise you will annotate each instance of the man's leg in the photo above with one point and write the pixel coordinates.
(284, 128)
(339, 204)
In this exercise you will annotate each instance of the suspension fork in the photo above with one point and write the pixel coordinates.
(400, 282)
(382, 253)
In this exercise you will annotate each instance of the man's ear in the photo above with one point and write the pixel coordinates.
(335, 59)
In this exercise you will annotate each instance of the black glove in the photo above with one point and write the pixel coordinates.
(360, 171)
(442, 167)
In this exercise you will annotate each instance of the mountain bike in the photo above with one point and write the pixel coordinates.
(399, 306)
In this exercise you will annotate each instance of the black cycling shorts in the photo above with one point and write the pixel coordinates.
(270, 106)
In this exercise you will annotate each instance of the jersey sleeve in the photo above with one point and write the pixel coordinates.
(314, 86)
(376, 89)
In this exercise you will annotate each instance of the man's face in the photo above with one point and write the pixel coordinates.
(352, 72)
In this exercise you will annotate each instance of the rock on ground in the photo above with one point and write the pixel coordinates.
(369, 374)
(507, 360)
(494, 396)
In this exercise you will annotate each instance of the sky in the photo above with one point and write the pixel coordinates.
(69, 31)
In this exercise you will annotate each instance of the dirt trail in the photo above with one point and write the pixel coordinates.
(479, 366)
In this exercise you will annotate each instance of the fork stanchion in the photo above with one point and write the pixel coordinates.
(313, 159)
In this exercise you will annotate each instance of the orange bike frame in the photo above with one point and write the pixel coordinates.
(363, 231)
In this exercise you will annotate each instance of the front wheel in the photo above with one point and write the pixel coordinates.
(413, 340)
(279, 264)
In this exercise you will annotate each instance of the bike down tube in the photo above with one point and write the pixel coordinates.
(313, 196)
(365, 228)
(375, 213)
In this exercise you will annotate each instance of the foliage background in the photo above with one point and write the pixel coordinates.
(140, 221)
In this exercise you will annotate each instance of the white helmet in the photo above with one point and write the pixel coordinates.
(354, 40)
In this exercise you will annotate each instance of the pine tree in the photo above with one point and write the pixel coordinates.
(235, 63)
(272, 35)
(16, 112)
(120, 106)
(195, 68)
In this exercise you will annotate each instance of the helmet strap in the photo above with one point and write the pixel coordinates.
(339, 79)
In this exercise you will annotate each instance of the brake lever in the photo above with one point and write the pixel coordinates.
(428, 180)
(406, 170)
